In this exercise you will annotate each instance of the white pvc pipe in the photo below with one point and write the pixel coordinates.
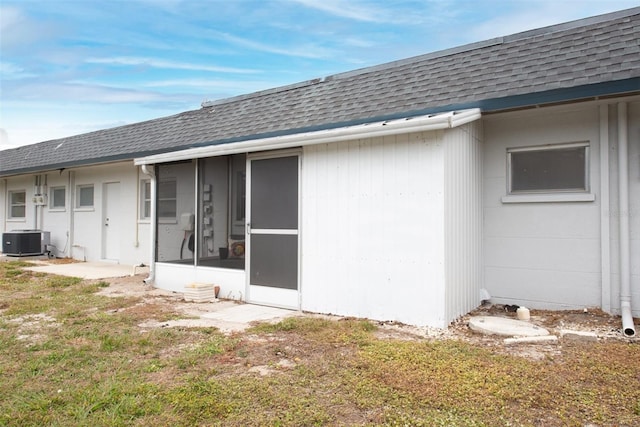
(148, 170)
(71, 199)
(628, 328)
(605, 208)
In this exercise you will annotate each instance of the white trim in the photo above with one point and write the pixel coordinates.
(274, 231)
(440, 121)
(549, 198)
(550, 147)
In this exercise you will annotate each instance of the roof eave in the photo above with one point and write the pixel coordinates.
(429, 122)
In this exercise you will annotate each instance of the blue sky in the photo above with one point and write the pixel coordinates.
(73, 66)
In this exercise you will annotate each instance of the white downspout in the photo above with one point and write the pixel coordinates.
(71, 199)
(148, 170)
(628, 328)
(5, 214)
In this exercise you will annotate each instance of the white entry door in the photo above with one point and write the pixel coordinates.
(111, 221)
(272, 228)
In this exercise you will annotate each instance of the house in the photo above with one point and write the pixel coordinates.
(395, 192)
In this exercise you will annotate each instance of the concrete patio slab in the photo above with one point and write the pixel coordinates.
(227, 316)
(238, 317)
(89, 270)
(491, 325)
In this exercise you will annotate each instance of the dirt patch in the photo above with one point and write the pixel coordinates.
(595, 324)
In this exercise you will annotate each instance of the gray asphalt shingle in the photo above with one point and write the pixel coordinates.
(596, 50)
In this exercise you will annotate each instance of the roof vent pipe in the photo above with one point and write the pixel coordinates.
(149, 170)
(628, 328)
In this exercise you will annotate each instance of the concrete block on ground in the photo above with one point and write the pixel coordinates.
(578, 335)
(199, 292)
(548, 339)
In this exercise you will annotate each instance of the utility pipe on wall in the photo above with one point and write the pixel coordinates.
(5, 195)
(71, 204)
(628, 328)
(148, 170)
(36, 191)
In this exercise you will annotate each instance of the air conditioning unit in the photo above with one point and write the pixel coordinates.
(25, 242)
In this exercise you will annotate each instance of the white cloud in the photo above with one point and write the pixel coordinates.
(310, 51)
(18, 31)
(214, 84)
(74, 92)
(542, 13)
(9, 70)
(348, 9)
(159, 63)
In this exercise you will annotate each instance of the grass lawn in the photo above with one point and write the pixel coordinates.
(70, 357)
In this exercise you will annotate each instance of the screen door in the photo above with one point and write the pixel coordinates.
(272, 229)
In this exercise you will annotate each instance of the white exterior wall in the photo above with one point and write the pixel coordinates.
(463, 218)
(372, 232)
(611, 296)
(634, 204)
(541, 255)
(174, 277)
(78, 233)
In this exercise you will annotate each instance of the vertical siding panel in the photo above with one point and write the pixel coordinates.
(463, 219)
(377, 246)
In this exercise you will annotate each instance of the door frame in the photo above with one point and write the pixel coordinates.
(278, 297)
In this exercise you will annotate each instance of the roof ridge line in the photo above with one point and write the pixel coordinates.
(582, 22)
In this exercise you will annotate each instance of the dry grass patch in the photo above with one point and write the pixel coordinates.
(91, 363)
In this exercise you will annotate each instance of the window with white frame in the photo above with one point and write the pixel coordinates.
(57, 198)
(167, 199)
(145, 199)
(560, 168)
(84, 196)
(17, 204)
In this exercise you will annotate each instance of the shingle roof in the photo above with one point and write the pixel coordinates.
(599, 55)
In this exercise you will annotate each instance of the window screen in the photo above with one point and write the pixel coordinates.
(145, 201)
(560, 168)
(85, 196)
(57, 200)
(17, 205)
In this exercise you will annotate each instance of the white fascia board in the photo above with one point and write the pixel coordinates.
(431, 122)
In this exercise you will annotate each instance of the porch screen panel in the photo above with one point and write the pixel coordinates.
(274, 197)
(274, 260)
(175, 212)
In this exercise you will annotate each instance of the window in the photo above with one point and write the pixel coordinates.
(84, 196)
(549, 169)
(145, 199)
(167, 202)
(57, 198)
(17, 204)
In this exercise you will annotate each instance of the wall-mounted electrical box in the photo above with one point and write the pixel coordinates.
(39, 200)
(186, 221)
